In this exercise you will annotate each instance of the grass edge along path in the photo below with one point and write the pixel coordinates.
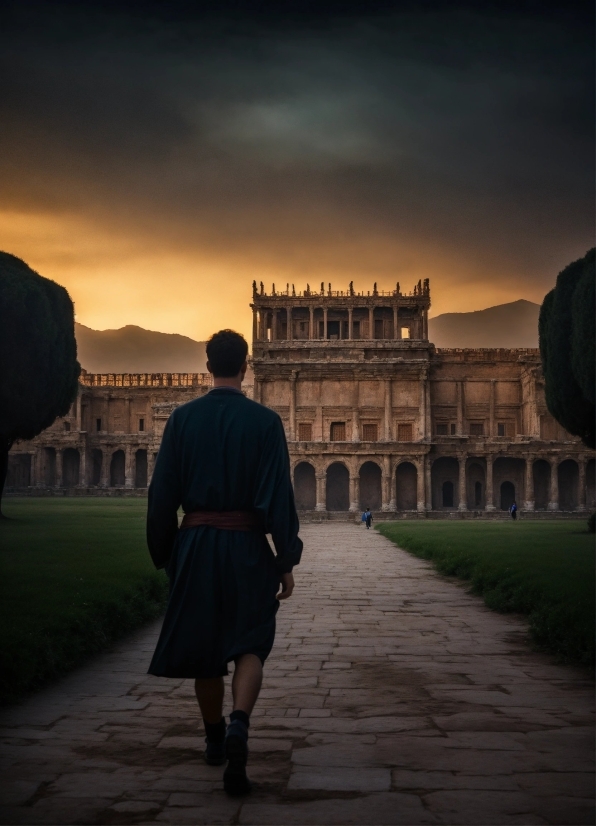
(76, 577)
(544, 570)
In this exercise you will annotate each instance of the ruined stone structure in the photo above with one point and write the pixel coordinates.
(375, 416)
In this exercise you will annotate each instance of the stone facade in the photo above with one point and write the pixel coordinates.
(375, 416)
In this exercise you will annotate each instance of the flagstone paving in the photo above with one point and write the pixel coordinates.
(391, 697)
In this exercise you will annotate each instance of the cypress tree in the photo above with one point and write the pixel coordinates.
(39, 370)
(566, 334)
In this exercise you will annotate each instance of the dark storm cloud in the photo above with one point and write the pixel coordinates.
(346, 138)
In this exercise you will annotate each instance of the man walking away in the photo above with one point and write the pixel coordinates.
(513, 511)
(224, 459)
(369, 518)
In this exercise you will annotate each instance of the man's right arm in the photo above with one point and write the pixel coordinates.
(164, 500)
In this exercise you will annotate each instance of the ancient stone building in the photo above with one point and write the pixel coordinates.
(375, 416)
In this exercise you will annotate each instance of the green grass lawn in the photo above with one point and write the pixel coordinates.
(543, 569)
(75, 575)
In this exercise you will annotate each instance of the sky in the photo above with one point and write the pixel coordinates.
(155, 158)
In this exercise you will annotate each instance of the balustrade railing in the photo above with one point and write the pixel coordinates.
(146, 379)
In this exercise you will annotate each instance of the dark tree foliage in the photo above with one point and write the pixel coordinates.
(39, 370)
(566, 333)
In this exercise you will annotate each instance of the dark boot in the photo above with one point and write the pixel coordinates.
(235, 780)
(215, 752)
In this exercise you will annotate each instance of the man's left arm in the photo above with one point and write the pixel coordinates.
(275, 499)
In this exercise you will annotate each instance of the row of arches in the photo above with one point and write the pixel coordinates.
(104, 468)
(557, 488)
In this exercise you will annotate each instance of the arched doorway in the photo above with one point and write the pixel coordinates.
(49, 466)
(541, 475)
(305, 486)
(445, 482)
(71, 463)
(338, 487)
(447, 495)
(475, 486)
(507, 495)
(141, 468)
(117, 472)
(96, 463)
(370, 486)
(406, 481)
(513, 471)
(568, 485)
(591, 485)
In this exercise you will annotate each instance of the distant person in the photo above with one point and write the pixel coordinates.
(367, 518)
(224, 458)
(513, 511)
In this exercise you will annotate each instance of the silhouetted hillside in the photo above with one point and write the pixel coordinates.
(506, 325)
(135, 350)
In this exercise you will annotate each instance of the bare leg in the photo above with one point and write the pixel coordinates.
(246, 683)
(210, 694)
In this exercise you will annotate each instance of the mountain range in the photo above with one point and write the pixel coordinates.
(133, 349)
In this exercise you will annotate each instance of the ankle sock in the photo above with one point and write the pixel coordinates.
(242, 716)
(239, 723)
(215, 732)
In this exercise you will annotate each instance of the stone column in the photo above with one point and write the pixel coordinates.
(255, 330)
(422, 407)
(78, 410)
(428, 491)
(274, 325)
(325, 323)
(59, 467)
(425, 324)
(127, 424)
(581, 485)
(356, 413)
(150, 465)
(83, 467)
(290, 332)
(529, 500)
(386, 498)
(463, 493)
(489, 495)
(396, 334)
(321, 504)
(256, 391)
(350, 323)
(460, 408)
(387, 418)
(106, 458)
(311, 323)
(354, 492)
(371, 322)
(553, 504)
(292, 433)
(420, 482)
(491, 410)
(128, 467)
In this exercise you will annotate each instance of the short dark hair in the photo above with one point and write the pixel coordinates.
(226, 353)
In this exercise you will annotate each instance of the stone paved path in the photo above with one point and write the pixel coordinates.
(391, 697)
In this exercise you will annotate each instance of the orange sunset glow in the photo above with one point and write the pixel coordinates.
(159, 167)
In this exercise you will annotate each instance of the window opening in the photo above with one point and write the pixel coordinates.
(476, 428)
(338, 431)
(66, 426)
(405, 332)
(305, 432)
(404, 432)
(441, 428)
(141, 425)
(370, 432)
(98, 425)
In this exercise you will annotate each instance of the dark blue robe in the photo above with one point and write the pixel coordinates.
(221, 452)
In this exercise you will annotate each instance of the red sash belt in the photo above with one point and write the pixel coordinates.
(226, 520)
